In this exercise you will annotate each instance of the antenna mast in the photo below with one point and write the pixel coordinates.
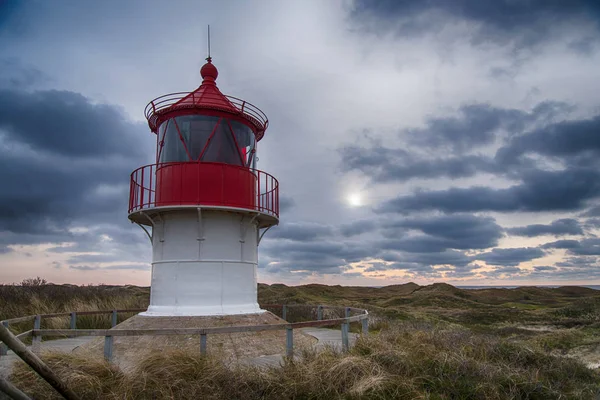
(208, 58)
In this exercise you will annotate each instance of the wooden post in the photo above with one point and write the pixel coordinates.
(73, 324)
(36, 364)
(345, 342)
(12, 391)
(3, 347)
(37, 339)
(113, 321)
(289, 348)
(284, 312)
(319, 313)
(203, 344)
(365, 326)
(108, 348)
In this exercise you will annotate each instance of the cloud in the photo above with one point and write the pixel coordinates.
(567, 190)
(63, 161)
(301, 231)
(385, 164)
(358, 227)
(526, 23)
(564, 139)
(584, 247)
(509, 257)
(565, 226)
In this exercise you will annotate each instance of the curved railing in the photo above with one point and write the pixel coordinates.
(264, 197)
(165, 103)
(325, 316)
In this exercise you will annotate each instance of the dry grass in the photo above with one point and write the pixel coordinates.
(406, 361)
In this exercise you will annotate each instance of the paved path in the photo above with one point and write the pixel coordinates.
(325, 337)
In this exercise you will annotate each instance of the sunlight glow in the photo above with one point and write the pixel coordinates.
(354, 200)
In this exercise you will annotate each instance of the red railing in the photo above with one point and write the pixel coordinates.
(203, 183)
(211, 101)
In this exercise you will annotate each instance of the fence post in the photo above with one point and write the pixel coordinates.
(284, 312)
(3, 347)
(36, 364)
(289, 348)
(320, 312)
(365, 326)
(113, 321)
(108, 348)
(203, 344)
(345, 330)
(37, 339)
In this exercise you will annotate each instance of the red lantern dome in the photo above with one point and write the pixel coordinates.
(205, 154)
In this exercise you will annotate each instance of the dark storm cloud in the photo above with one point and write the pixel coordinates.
(301, 231)
(565, 226)
(324, 256)
(566, 190)
(460, 231)
(475, 125)
(509, 257)
(358, 227)
(384, 164)
(67, 124)
(63, 161)
(563, 139)
(526, 22)
(447, 257)
(584, 247)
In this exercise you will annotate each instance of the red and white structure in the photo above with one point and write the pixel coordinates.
(207, 204)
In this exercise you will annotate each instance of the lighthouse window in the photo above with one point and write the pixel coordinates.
(221, 147)
(246, 142)
(172, 146)
(195, 130)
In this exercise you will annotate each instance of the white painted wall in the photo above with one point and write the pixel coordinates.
(203, 264)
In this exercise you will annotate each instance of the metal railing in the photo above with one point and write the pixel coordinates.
(168, 102)
(36, 333)
(143, 188)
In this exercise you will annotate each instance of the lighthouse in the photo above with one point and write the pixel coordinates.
(207, 205)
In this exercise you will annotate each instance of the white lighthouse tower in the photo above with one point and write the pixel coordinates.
(206, 203)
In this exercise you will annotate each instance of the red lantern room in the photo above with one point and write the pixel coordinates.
(205, 154)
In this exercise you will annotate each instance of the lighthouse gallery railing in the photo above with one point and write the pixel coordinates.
(142, 190)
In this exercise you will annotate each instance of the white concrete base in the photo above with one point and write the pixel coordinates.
(204, 263)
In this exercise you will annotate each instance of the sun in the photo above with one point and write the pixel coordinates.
(354, 200)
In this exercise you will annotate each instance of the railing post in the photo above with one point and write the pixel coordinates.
(284, 312)
(347, 312)
(203, 344)
(345, 342)
(289, 348)
(37, 339)
(113, 321)
(73, 323)
(108, 348)
(319, 313)
(365, 325)
(3, 347)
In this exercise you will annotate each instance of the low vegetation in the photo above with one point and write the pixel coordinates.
(427, 342)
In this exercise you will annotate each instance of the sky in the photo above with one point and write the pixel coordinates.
(442, 141)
